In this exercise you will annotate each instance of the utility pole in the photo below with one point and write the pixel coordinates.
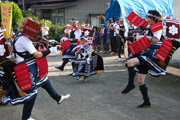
(23, 5)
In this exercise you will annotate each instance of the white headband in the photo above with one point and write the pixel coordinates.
(151, 15)
(83, 38)
(74, 21)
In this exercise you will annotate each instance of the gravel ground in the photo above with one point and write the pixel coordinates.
(100, 97)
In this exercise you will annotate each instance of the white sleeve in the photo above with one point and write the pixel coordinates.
(65, 31)
(117, 31)
(157, 34)
(77, 34)
(28, 45)
(114, 25)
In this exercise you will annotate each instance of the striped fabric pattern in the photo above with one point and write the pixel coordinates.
(33, 69)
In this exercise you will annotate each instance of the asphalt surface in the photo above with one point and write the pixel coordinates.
(100, 97)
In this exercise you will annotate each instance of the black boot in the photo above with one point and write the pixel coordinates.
(130, 86)
(61, 68)
(144, 93)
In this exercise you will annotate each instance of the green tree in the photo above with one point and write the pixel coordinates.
(17, 16)
(54, 30)
(30, 14)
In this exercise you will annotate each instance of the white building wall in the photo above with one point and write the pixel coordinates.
(176, 55)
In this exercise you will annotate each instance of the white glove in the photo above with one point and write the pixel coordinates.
(63, 39)
(70, 39)
(88, 60)
(52, 41)
(149, 37)
(53, 50)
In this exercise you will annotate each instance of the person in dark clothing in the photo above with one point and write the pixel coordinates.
(112, 36)
(146, 61)
(131, 72)
(74, 36)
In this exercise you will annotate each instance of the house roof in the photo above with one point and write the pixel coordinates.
(55, 5)
(46, 1)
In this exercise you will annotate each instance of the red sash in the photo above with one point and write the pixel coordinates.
(31, 29)
(78, 43)
(156, 27)
(164, 50)
(71, 27)
(23, 76)
(66, 44)
(140, 45)
(42, 66)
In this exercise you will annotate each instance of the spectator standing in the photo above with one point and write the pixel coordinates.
(45, 30)
(112, 37)
(121, 39)
(102, 37)
(108, 35)
(95, 39)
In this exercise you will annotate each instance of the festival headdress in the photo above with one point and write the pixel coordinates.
(155, 15)
(84, 38)
(151, 15)
(74, 21)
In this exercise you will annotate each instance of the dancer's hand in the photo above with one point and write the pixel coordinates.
(53, 49)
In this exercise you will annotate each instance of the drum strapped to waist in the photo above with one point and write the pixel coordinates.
(136, 20)
(31, 29)
(42, 66)
(140, 45)
(23, 74)
(156, 27)
(164, 50)
(66, 44)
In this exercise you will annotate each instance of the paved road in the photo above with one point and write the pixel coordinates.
(100, 97)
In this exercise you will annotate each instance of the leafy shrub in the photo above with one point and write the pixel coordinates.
(30, 14)
(56, 30)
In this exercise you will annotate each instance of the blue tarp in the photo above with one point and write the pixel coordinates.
(122, 8)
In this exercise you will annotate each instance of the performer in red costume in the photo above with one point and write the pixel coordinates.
(28, 57)
(74, 35)
(147, 61)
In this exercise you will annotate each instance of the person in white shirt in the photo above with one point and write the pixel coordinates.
(120, 30)
(24, 50)
(147, 60)
(45, 30)
(74, 36)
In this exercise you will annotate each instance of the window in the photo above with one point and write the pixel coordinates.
(95, 21)
(46, 14)
(58, 16)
